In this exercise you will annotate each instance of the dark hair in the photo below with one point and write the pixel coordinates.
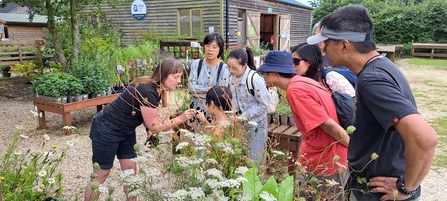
(286, 75)
(244, 55)
(209, 38)
(353, 18)
(312, 54)
(162, 71)
(221, 97)
(296, 47)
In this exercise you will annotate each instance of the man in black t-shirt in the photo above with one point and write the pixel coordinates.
(393, 147)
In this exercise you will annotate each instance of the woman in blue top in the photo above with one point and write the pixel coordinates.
(208, 72)
(253, 107)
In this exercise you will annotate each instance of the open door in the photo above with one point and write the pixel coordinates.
(253, 29)
(284, 28)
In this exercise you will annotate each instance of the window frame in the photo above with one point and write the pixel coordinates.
(190, 34)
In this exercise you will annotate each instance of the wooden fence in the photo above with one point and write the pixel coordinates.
(20, 51)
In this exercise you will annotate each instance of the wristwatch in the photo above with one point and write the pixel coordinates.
(400, 184)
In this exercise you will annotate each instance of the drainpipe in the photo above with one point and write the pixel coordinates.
(227, 22)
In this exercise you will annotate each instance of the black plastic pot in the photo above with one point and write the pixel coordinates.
(6, 73)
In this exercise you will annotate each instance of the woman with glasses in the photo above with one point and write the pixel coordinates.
(252, 107)
(207, 72)
(308, 62)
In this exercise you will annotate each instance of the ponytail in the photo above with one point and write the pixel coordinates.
(251, 59)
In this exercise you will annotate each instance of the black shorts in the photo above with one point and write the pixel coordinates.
(109, 141)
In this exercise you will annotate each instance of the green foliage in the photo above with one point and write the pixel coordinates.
(56, 84)
(93, 75)
(400, 21)
(284, 108)
(437, 63)
(26, 69)
(254, 188)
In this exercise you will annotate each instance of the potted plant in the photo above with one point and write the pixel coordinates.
(6, 71)
(93, 75)
(75, 89)
(284, 112)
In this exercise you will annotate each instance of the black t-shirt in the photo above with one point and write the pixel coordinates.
(383, 98)
(120, 110)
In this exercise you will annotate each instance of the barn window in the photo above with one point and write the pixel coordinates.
(190, 21)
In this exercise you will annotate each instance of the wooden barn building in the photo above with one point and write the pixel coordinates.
(15, 24)
(279, 23)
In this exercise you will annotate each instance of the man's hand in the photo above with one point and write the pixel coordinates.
(386, 185)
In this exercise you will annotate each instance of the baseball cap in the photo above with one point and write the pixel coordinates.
(337, 35)
(278, 62)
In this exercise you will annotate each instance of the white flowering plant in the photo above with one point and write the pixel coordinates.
(28, 174)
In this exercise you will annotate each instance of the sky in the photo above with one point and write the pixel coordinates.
(303, 1)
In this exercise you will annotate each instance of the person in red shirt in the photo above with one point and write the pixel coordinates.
(325, 143)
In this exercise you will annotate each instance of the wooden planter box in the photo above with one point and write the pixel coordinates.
(65, 109)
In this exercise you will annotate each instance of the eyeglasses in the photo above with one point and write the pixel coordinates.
(211, 47)
(296, 61)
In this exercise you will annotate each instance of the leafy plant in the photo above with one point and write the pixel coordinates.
(26, 69)
(284, 108)
(32, 174)
(56, 84)
(93, 75)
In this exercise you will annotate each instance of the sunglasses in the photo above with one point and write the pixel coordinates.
(296, 61)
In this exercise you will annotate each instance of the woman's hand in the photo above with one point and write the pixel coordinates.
(201, 117)
(187, 115)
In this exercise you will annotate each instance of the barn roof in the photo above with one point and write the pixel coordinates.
(293, 3)
(23, 19)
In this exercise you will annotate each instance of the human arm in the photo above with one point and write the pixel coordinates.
(335, 131)
(337, 82)
(196, 85)
(155, 125)
(420, 141)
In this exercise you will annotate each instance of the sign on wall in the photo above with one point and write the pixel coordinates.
(138, 9)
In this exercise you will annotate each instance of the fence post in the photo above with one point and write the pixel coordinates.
(20, 52)
(39, 52)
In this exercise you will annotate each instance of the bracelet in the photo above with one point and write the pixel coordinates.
(400, 184)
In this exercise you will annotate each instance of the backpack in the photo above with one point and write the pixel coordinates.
(218, 70)
(350, 76)
(273, 92)
(344, 106)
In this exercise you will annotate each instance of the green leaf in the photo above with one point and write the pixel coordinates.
(253, 186)
(271, 186)
(286, 189)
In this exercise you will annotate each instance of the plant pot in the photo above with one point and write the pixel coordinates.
(56, 99)
(291, 121)
(78, 98)
(96, 95)
(71, 99)
(109, 92)
(84, 96)
(6, 73)
(64, 99)
(283, 119)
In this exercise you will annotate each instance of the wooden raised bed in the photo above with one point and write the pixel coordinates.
(65, 109)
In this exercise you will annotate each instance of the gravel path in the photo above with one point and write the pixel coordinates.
(77, 166)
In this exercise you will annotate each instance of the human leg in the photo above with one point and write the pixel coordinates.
(125, 154)
(100, 179)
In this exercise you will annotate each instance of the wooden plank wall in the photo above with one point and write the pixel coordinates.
(301, 17)
(161, 15)
(20, 32)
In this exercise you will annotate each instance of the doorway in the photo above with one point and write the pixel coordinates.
(268, 31)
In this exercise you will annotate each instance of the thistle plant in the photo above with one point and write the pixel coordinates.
(32, 174)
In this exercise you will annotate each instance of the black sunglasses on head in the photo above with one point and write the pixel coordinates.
(296, 61)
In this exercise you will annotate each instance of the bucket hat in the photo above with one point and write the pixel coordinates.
(278, 62)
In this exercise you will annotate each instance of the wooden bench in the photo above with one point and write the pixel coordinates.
(387, 50)
(286, 137)
(179, 49)
(65, 109)
(426, 47)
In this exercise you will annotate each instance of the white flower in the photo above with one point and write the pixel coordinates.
(140, 159)
(215, 173)
(212, 183)
(152, 172)
(70, 143)
(181, 145)
(42, 173)
(37, 188)
(211, 161)
(134, 193)
(19, 127)
(103, 189)
(69, 127)
(46, 136)
(17, 152)
(166, 133)
(332, 182)
(253, 124)
(24, 136)
(239, 118)
(75, 139)
(179, 195)
(185, 162)
(244, 197)
(241, 179)
(241, 170)
(35, 112)
(277, 153)
(51, 180)
(267, 196)
(196, 193)
(127, 173)
(47, 153)
(228, 150)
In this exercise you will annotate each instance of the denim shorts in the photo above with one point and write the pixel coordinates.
(109, 140)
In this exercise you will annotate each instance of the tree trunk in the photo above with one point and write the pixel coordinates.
(75, 30)
(54, 38)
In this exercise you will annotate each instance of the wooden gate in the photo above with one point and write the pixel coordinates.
(253, 29)
(284, 28)
(20, 51)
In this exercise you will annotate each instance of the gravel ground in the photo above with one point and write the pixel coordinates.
(77, 166)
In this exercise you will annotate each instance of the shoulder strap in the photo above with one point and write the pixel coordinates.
(249, 82)
(218, 71)
(199, 67)
(320, 87)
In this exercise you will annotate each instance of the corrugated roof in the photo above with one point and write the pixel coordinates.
(294, 3)
(11, 18)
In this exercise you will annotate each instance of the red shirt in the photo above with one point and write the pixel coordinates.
(312, 106)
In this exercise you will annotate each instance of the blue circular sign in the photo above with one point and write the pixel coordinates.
(138, 9)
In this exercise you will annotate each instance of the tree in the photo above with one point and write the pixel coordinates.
(67, 10)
